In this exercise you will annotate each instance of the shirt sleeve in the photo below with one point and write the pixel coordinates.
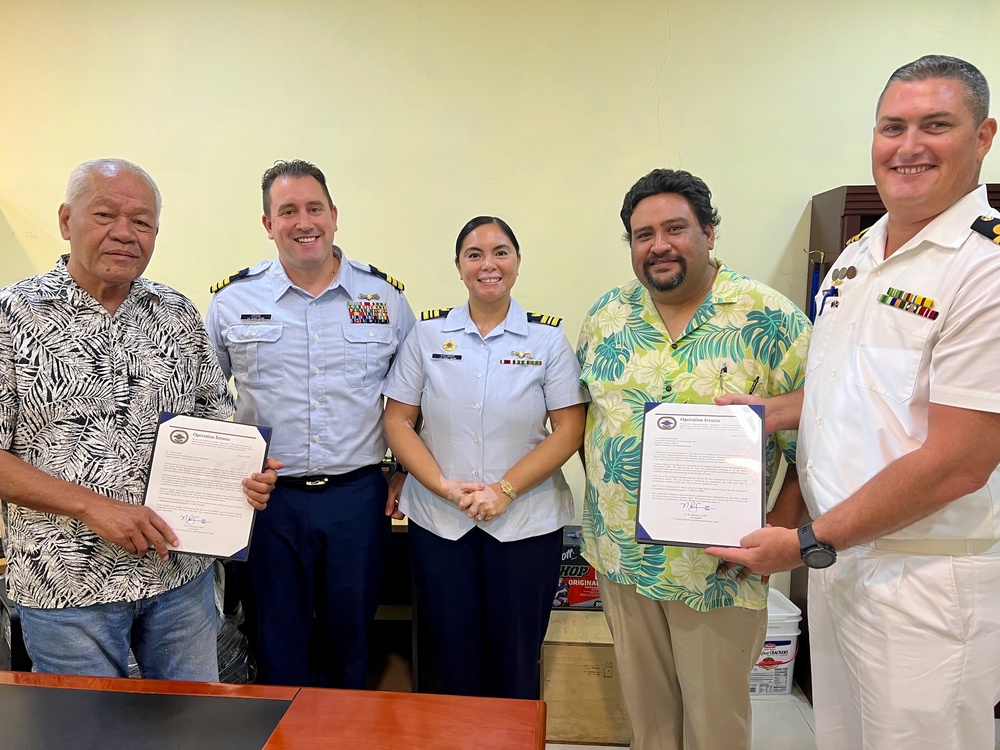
(562, 375)
(405, 382)
(8, 381)
(585, 343)
(790, 374)
(965, 359)
(213, 324)
(211, 390)
(405, 320)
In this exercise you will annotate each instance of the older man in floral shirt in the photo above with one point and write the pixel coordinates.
(686, 330)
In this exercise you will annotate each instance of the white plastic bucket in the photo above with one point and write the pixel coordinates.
(773, 673)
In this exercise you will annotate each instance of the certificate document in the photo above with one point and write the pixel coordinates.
(701, 478)
(195, 482)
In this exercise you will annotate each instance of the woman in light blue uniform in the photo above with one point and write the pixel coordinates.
(486, 497)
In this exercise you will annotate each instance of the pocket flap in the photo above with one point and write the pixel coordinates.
(249, 333)
(360, 333)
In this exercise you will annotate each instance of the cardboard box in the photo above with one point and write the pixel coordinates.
(580, 683)
(578, 588)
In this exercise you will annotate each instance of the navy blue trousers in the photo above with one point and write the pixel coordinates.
(319, 554)
(484, 607)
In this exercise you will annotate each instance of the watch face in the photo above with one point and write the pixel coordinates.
(819, 557)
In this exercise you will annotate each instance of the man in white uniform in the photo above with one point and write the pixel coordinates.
(899, 439)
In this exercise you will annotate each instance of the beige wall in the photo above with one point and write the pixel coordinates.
(425, 113)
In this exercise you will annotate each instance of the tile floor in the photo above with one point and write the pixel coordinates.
(780, 722)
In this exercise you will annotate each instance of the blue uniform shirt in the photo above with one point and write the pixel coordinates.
(485, 403)
(313, 368)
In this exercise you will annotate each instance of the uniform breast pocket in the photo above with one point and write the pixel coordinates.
(255, 354)
(891, 348)
(823, 331)
(368, 350)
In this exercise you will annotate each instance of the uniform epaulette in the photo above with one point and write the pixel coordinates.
(383, 275)
(439, 312)
(989, 227)
(548, 320)
(857, 237)
(229, 280)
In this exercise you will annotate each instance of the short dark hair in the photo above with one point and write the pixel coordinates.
(294, 168)
(473, 224)
(677, 181)
(977, 90)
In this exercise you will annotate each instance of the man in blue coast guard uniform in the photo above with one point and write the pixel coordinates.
(308, 339)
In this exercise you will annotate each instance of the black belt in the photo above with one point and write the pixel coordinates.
(319, 482)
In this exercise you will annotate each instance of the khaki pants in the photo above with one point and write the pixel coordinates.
(685, 674)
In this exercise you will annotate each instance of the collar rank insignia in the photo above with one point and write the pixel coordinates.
(857, 237)
(228, 280)
(989, 227)
(434, 314)
(547, 320)
(396, 284)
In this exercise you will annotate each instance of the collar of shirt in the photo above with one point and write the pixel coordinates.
(58, 284)
(345, 278)
(948, 230)
(726, 289)
(516, 322)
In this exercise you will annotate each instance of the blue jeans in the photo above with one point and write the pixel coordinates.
(173, 636)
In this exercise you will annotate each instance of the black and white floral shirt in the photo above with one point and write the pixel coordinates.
(80, 394)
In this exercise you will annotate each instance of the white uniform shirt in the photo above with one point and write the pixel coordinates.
(484, 403)
(874, 368)
(313, 368)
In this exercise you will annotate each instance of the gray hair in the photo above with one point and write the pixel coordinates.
(977, 91)
(80, 178)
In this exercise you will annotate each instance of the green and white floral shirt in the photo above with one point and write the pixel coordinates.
(750, 331)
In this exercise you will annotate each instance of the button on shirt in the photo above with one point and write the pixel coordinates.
(484, 404)
(873, 368)
(80, 395)
(309, 367)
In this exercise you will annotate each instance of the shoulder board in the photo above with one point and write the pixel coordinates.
(229, 280)
(434, 314)
(857, 237)
(547, 320)
(989, 227)
(383, 275)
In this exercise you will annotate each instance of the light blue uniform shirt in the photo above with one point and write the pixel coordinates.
(484, 404)
(311, 367)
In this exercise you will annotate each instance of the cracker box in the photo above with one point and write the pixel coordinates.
(577, 587)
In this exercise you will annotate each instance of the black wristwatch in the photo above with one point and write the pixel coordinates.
(815, 554)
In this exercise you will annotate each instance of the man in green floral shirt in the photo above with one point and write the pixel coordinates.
(686, 330)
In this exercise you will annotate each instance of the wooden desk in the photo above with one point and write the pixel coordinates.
(348, 719)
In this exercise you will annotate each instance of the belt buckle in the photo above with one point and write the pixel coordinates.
(317, 482)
